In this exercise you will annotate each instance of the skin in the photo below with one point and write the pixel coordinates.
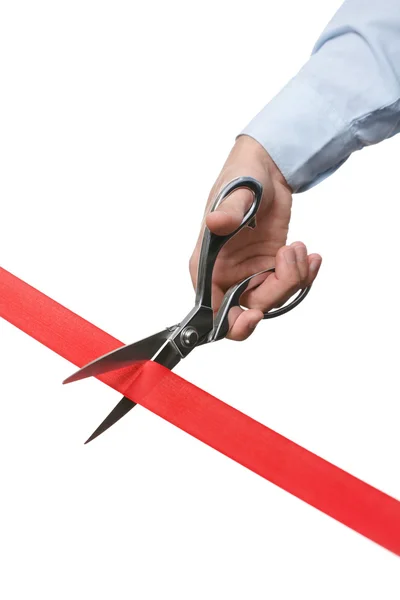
(254, 250)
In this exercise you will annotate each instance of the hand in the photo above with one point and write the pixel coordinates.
(253, 250)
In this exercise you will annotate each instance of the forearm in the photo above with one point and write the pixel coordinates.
(347, 96)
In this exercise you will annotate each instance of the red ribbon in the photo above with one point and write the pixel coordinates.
(282, 462)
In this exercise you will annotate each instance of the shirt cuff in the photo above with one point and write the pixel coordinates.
(303, 134)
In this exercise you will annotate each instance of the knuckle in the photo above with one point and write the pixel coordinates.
(303, 279)
(293, 281)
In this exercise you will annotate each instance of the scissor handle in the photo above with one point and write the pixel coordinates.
(232, 298)
(212, 243)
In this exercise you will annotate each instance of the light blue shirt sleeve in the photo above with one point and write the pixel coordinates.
(346, 97)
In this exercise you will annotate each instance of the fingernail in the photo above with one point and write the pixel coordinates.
(254, 324)
(314, 266)
(301, 253)
(290, 256)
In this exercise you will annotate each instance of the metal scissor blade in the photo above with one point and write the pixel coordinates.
(119, 411)
(168, 357)
(122, 357)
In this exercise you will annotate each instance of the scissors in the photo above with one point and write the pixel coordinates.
(200, 326)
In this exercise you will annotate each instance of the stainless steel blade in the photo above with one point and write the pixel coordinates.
(122, 357)
(168, 357)
(119, 411)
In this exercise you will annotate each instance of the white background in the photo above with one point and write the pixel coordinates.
(115, 120)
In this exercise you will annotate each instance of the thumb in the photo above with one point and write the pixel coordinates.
(229, 214)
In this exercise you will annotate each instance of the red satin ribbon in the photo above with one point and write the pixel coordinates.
(282, 462)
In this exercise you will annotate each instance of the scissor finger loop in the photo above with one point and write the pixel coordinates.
(232, 299)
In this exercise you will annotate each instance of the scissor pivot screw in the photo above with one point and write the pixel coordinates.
(189, 337)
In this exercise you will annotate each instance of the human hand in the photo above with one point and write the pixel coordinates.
(253, 250)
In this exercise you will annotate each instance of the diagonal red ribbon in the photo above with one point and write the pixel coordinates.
(293, 468)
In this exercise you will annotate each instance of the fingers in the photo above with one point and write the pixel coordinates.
(300, 252)
(229, 214)
(314, 264)
(243, 323)
(294, 270)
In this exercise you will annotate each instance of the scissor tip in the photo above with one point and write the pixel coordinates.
(75, 377)
(92, 437)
